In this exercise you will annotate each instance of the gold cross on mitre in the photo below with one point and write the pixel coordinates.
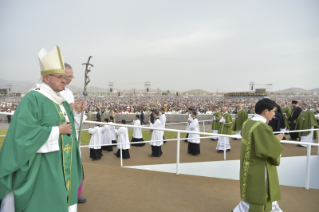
(67, 148)
(68, 185)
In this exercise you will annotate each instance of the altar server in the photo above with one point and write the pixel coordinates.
(95, 142)
(123, 142)
(157, 137)
(193, 139)
(137, 132)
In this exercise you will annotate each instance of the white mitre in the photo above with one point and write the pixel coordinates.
(52, 62)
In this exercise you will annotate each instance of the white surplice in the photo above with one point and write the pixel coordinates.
(137, 132)
(157, 135)
(106, 135)
(96, 138)
(113, 134)
(194, 126)
(123, 141)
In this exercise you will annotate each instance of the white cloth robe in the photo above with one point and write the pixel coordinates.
(137, 132)
(123, 139)
(96, 138)
(157, 135)
(51, 145)
(106, 135)
(194, 126)
(113, 134)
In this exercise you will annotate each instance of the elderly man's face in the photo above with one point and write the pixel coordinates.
(55, 81)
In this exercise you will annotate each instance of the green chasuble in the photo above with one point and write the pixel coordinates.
(226, 128)
(43, 181)
(287, 111)
(260, 149)
(242, 116)
(216, 124)
(306, 120)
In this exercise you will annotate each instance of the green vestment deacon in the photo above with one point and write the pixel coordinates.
(306, 120)
(43, 181)
(287, 111)
(242, 116)
(226, 128)
(216, 124)
(260, 149)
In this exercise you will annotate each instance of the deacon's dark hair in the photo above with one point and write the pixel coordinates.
(137, 116)
(264, 104)
(194, 112)
(111, 117)
(123, 121)
(162, 109)
(106, 119)
(156, 112)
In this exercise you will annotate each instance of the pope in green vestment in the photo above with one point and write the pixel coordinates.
(242, 116)
(287, 113)
(306, 120)
(40, 163)
(42, 180)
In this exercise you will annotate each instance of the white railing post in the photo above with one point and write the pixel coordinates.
(318, 140)
(121, 150)
(308, 166)
(204, 126)
(178, 151)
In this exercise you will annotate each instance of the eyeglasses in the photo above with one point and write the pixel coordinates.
(61, 77)
(69, 77)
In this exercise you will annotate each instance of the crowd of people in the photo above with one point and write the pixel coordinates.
(171, 104)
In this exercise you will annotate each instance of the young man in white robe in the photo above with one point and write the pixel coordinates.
(95, 142)
(193, 139)
(162, 118)
(189, 118)
(157, 137)
(106, 136)
(123, 143)
(137, 132)
(113, 134)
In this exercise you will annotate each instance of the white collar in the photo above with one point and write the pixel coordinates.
(259, 118)
(225, 113)
(47, 91)
(305, 110)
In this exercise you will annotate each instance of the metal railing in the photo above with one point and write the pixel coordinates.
(309, 145)
(210, 135)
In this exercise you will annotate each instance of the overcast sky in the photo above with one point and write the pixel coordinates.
(176, 45)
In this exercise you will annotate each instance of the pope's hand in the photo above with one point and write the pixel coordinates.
(65, 128)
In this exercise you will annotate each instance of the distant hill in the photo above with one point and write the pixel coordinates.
(295, 90)
(314, 90)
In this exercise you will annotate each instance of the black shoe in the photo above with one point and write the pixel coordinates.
(284, 138)
(151, 155)
(220, 151)
(235, 139)
(228, 150)
(298, 145)
(81, 200)
(115, 154)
